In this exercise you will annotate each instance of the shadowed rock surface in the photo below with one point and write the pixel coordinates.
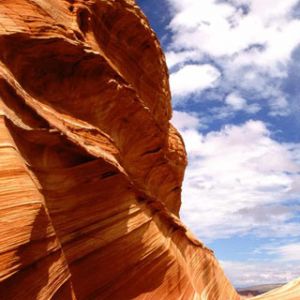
(90, 167)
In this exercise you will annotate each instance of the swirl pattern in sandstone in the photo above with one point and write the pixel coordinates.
(90, 167)
(290, 291)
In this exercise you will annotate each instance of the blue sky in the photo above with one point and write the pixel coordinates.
(234, 75)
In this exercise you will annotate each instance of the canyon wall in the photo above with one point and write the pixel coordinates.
(90, 166)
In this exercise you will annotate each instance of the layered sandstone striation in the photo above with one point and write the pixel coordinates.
(90, 167)
(290, 291)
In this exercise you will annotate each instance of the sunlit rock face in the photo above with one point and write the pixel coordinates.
(90, 167)
(290, 291)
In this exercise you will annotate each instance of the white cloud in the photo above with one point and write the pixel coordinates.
(282, 268)
(280, 106)
(236, 102)
(250, 273)
(174, 58)
(240, 180)
(286, 253)
(251, 41)
(235, 173)
(223, 29)
(280, 265)
(184, 120)
(193, 78)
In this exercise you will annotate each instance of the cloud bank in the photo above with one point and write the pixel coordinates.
(249, 43)
(239, 180)
(234, 68)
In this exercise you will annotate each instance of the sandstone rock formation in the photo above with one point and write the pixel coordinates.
(290, 291)
(90, 167)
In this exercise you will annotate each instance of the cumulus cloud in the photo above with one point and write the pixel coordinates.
(254, 29)
(175, 58)
(192, 79)
(184, 120)
(251, 42)
(239, 180)
(234, 57)
(236, 102)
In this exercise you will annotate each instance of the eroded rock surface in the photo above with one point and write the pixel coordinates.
(290, 291)
(90, 167)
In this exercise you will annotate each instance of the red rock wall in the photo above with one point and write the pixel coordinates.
(90, 167)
